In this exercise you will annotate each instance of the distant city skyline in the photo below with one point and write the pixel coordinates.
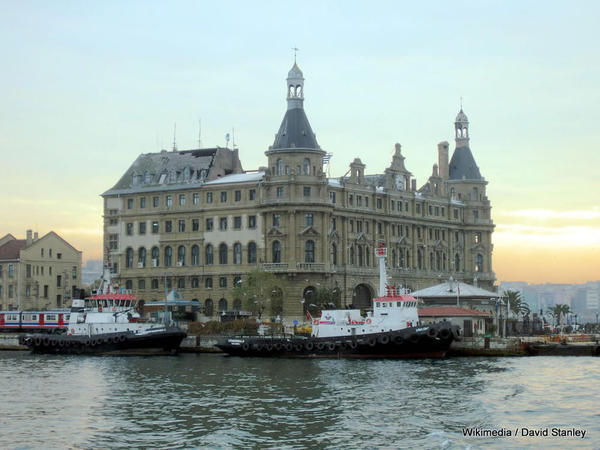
(90, 87)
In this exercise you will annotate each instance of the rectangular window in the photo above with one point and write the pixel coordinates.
(333, 223)
(475, 214)
(129, 203)
(142, 202)
(129, 231)
(142, 285)
(351, 199)
(113, 241)
(168, 226)
(252, 194)
(237, 222)
(443, 211)
(307, 191)
(209, 224)
(28, 270)
(113, 221)
(208, 284)
(379, 203)
(155, 202)
(195, 225)
(154, 283)
(238, 196)
(359, 226)
(155, 227)
(379, 228)
(222, 282)
(477, 237)
(332, 197)
(45, 291)
(181, 199)
(223, 197)
(418, 208)
(169, 201)
(352, 226)
(358, 200)
(251, 221)
(182, 226)
(74, 272)
(367, 202)
(456, 213)
(223, 223)
(142, 227)
(279, 192)
(430, 210)
(437, 210)
(392, 204)
(59, 256)
(276, 220)
(196, 198)
(10, 291)
(58, 281)
(209, 197)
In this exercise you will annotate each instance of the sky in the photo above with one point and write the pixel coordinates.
(88, 86)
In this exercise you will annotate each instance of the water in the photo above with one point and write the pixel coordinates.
(212, 401)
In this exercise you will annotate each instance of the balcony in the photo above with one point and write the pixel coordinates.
(275, 267)
(310, 267)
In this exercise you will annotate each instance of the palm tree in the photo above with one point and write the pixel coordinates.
(517, 305)
(559, 310)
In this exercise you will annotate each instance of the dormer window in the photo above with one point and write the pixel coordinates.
(163, 177)
(147, 177)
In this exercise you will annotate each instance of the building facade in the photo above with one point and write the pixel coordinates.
(196, 221)
(38, 273)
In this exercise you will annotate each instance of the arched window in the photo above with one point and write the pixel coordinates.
(401, 259)
(142, 257)
(195, 255)
(291, 91)
(393, 258)
(420, 259)
(457, 263)
(209, 255)
(452, 192)
(368, 256)
(360, 255)
(208, 307)
(334, 254)
(309, 252)
(438, 261)
(155, 257)
(181, 256)
(299, 91)
(251, 253)
(276, 252)
(431, 266)
(306, 167)
(444, 261)
(237, 253)
(352, 255)
(129, 258)
(279, 167)
(168, 256)
(408, 259)
(223, 253)
(479, 263)
(222, 305)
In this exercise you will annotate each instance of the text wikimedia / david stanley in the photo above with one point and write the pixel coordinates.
(524, 432)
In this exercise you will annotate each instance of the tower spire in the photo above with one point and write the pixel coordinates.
(295, 86)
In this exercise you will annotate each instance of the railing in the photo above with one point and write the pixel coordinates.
(275, 267)
(310, 267)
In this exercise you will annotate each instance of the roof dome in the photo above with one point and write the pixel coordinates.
(295, 72)
(461, 117)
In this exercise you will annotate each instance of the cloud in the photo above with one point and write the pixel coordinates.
(546, 236)
(542, 214)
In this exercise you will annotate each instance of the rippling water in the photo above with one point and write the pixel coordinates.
(228, 402)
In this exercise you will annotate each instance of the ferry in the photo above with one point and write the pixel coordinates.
(391, 330)
(108, 323)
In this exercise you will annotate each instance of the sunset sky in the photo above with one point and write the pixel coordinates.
(88, 86)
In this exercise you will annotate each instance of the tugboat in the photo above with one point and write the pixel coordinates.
(391, 330)
(108, 323)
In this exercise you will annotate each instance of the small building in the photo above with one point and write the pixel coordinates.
(38, 273)
(471, 321)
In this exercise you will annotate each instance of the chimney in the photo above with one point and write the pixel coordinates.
(29, 237)
(443, 160)
(35, 236)
(413, 184)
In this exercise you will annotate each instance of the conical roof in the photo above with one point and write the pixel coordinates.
(295, 132)
(463, 166)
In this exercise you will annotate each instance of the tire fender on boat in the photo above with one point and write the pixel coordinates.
(269, 347)
(372, 342)
(352, 344)
(444, 333)
(331, 346)
(431, 332)
(398, 340)
(414, 338)
(288, 346)
(320, 345)
(298, 347)
(245, 346)
(46, 342)
(37, 341)
(309, 346)
(385, 339)
(122, 338)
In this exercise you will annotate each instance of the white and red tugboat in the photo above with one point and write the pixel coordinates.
(108, 323)
(391, 330)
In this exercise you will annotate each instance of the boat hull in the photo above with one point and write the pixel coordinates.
(539, 349)
(159, 342)
(415, 342)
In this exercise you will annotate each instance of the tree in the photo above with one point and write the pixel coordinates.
(322, 298)
(261, 291)
(517, 305)
(559, 310)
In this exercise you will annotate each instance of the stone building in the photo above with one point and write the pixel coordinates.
(38, 273)
(196, 221)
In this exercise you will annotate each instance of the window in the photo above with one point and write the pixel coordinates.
(168, 256)
(208, 282)
(379, 203)
(457, 262)
(142, 285)
(276, 218)
(195, 225)
(392, 204)
(209, 256)
(223, 253)
(351, 199)
(181, 283)
(209, 224)
(181, 199)
(306, 191)
(169, 201)
(251, 253)
(360, 255)
(129, 203)
(358, 200)
(237, 253)
(334, 254)
(141, 257)
(418, 208)
(223, 223)
(58, 281)
(222, 282)
(437, 210)
(209, 197)
(276, 251)
(195, 255)
(477, 237)
(155, 202)
(129, 258)
(237, 222)
(309, 252)
(279, 167)
(443, 212)
(237, 281)
(252, 194)
(379, 229)
(182, 226)
(195, 198)
(154, 283)
(129, 231)
(113, 241)
(309, 219)
(238, 196)
(475, 214)
(479, 263)
(142, 202)
(352, 255)
(155, 257)
(195, 282)
(251, 221)
(181, 255)
(49, 253)
(332, 197)
(367, 202)
(456, 213)
(155, 227)
(279, 192)
(223, 197)
(168, 226)
(74, 272)
(306, 166)
(142, 228)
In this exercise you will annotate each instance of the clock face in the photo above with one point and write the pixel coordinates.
(399, 183)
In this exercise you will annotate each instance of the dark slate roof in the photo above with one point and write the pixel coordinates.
(463, 166)
(11, 249)
(295, 132)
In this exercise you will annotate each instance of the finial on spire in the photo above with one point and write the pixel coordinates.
(461, 102)
(295, 50)
(175, 137)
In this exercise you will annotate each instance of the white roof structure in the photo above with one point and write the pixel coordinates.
(452, 289)
(238, 178)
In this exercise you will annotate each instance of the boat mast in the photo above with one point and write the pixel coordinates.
(381, 254)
